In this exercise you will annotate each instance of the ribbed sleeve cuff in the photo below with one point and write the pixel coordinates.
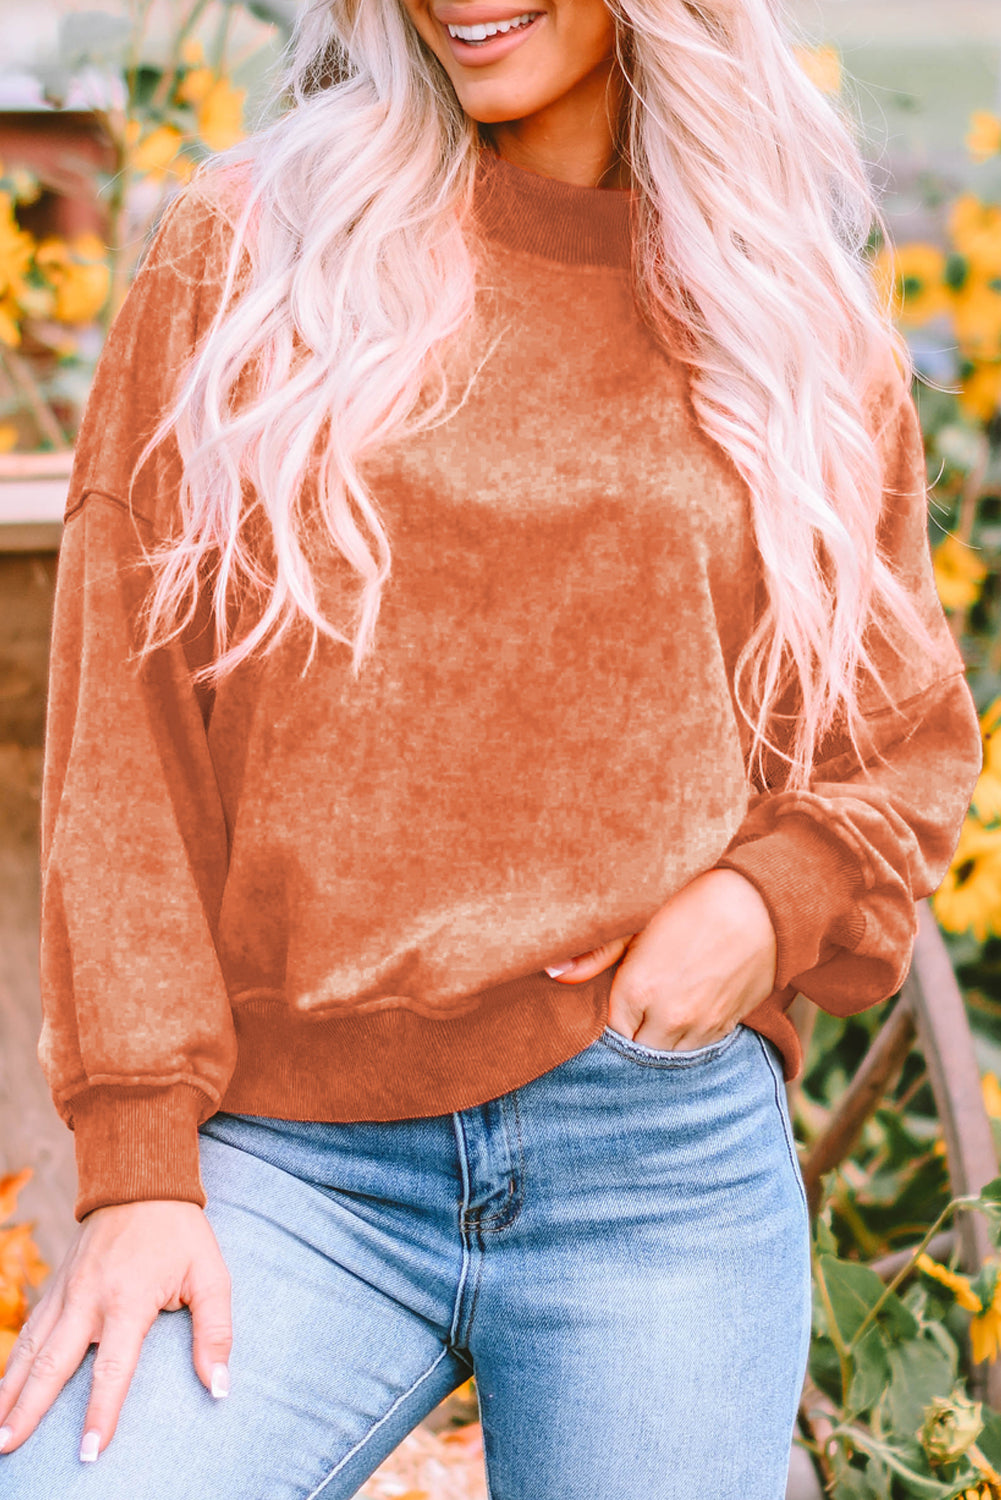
(810, 883)
(136, 1143)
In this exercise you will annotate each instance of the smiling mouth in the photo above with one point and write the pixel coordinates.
(499, 41)
(516, 24)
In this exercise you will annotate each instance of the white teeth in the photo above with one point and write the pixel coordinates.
(482, 30)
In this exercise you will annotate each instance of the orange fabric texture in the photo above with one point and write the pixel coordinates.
(334, 899)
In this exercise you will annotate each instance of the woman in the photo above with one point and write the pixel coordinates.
(496, 666)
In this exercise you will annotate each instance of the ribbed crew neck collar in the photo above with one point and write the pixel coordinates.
(563, 221)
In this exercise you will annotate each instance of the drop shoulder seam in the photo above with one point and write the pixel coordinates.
(78, 505)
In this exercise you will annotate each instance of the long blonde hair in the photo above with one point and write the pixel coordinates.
(755, 213)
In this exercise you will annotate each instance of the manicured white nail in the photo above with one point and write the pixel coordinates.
(220, 1380)
(6, 1433)
(89, 1446)
(555, 970)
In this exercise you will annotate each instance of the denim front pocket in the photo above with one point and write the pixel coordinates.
(675, 1057)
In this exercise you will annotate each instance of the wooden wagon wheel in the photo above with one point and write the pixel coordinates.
(930, 1011)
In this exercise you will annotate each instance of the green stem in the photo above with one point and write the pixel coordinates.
(171, 73)
(121, 177)
(29, 393)
(905, 1269)
(869, 1244)
(868, 1444)
(141, 9)
(844, 1358)
(221, 40)
(969, 501)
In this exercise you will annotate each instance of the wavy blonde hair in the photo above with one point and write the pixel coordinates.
(755, 215)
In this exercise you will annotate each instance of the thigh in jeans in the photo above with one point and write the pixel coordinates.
(333, 1360)
(642, 1322)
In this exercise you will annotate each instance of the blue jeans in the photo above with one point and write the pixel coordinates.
(618, 1250)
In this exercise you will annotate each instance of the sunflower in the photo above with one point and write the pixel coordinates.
(980, 397)
(17, 247)
(990, 1090)
(969, 898)
(959, 573)
(78, 270)
(218, 106)
(157, 153)
(822, 65)
(975, 230)
(976, 313)
(986, 801)
(911, 279)
(984, 137)
(985, 1325)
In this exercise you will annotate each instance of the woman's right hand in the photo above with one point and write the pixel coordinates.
(128, 1261)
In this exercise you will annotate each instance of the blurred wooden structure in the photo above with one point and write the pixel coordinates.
(67, 149)
(31, 1133)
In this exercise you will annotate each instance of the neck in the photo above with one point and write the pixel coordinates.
(572, 223)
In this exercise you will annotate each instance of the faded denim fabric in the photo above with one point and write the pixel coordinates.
(619, 1250)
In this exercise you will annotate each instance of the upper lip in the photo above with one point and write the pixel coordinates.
(474, 15)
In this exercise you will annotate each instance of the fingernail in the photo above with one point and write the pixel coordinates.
(89, 1446)
(555, 970)
(6, 1433)
(220, 1380)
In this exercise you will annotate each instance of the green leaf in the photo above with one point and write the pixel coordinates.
(989, 1441)
(871, 1372)
(919, 1370)
(901, 1136)
(940, 1335)
(985, 1282)
(853, 1290)
(913, 1195)
(826, 1243)
(279, 13)
(851, 1483)
(825, 1368)
(990, 1193)
(897, 1319)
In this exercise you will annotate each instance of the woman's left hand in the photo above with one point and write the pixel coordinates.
(705, 960)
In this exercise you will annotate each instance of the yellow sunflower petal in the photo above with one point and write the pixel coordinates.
(990, 1089)
(984, 137)
(959, 1285)
(959, 573)
(969, 898)
(822, 65)
(985, 1335)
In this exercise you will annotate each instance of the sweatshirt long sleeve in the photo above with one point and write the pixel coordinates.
(841, 864)
(334, 898)
(137, 1037)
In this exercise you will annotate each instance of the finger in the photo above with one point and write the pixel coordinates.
(210, 1302)
(587, 965)
(54, 1362)
(114, 1366)
(33, 1333)
(680, 1041)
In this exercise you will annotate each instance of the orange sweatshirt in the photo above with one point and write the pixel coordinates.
(334, 899)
